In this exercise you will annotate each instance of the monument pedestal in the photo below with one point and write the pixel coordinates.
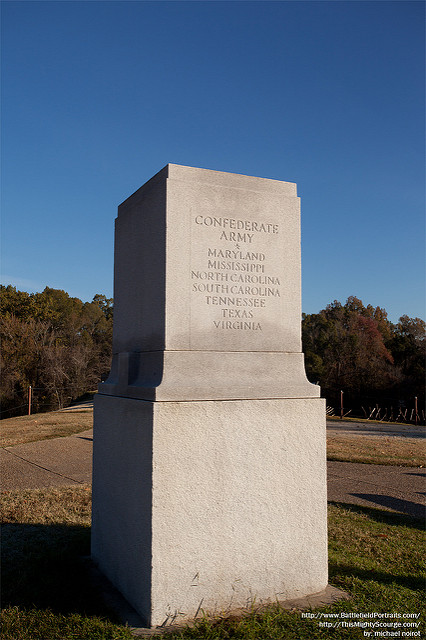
(211, 505)
(209, 472)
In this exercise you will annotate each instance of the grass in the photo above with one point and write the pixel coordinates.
(372, 421)
(46, 592)
(383, 449)
(391, 450)
(374, 555)
(44, 426)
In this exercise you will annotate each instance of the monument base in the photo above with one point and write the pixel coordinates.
(211, 505)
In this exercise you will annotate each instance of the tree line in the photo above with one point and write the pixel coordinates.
(356, 349)
(62, 347)
(58, 345)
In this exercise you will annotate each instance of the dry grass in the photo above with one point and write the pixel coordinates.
(391, 450)
(370, 422)
(376, 556)
(66, 505)
(41, 515)
(46, 589)
(43, 426)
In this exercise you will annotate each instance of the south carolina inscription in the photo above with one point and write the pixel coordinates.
(232, 271)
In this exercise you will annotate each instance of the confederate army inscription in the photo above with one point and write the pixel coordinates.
(235, 276)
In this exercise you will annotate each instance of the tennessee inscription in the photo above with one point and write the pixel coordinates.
(232, 276)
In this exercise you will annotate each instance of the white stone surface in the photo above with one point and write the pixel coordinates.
(208, 263)
(209, 504)
(209, 478)
(233, 260)
(208, 375)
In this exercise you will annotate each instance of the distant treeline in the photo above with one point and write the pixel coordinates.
(57, 344)
(357, 350)
(61, 347)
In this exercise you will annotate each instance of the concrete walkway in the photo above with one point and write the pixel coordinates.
(47, 463)
(68, 461)
(400, 489)
(353, 428)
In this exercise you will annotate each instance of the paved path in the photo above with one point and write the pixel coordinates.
(48, 463)
(399, 489)
(68, 461)
(351, 428)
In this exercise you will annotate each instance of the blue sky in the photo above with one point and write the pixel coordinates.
(98, 96)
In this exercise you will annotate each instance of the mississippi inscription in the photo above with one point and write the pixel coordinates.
(232, 276)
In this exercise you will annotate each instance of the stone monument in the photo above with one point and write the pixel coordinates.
(209, 476)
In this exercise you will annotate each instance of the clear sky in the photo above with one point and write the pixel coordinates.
(98, 96)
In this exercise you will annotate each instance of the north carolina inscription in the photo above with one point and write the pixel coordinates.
(234, 280)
